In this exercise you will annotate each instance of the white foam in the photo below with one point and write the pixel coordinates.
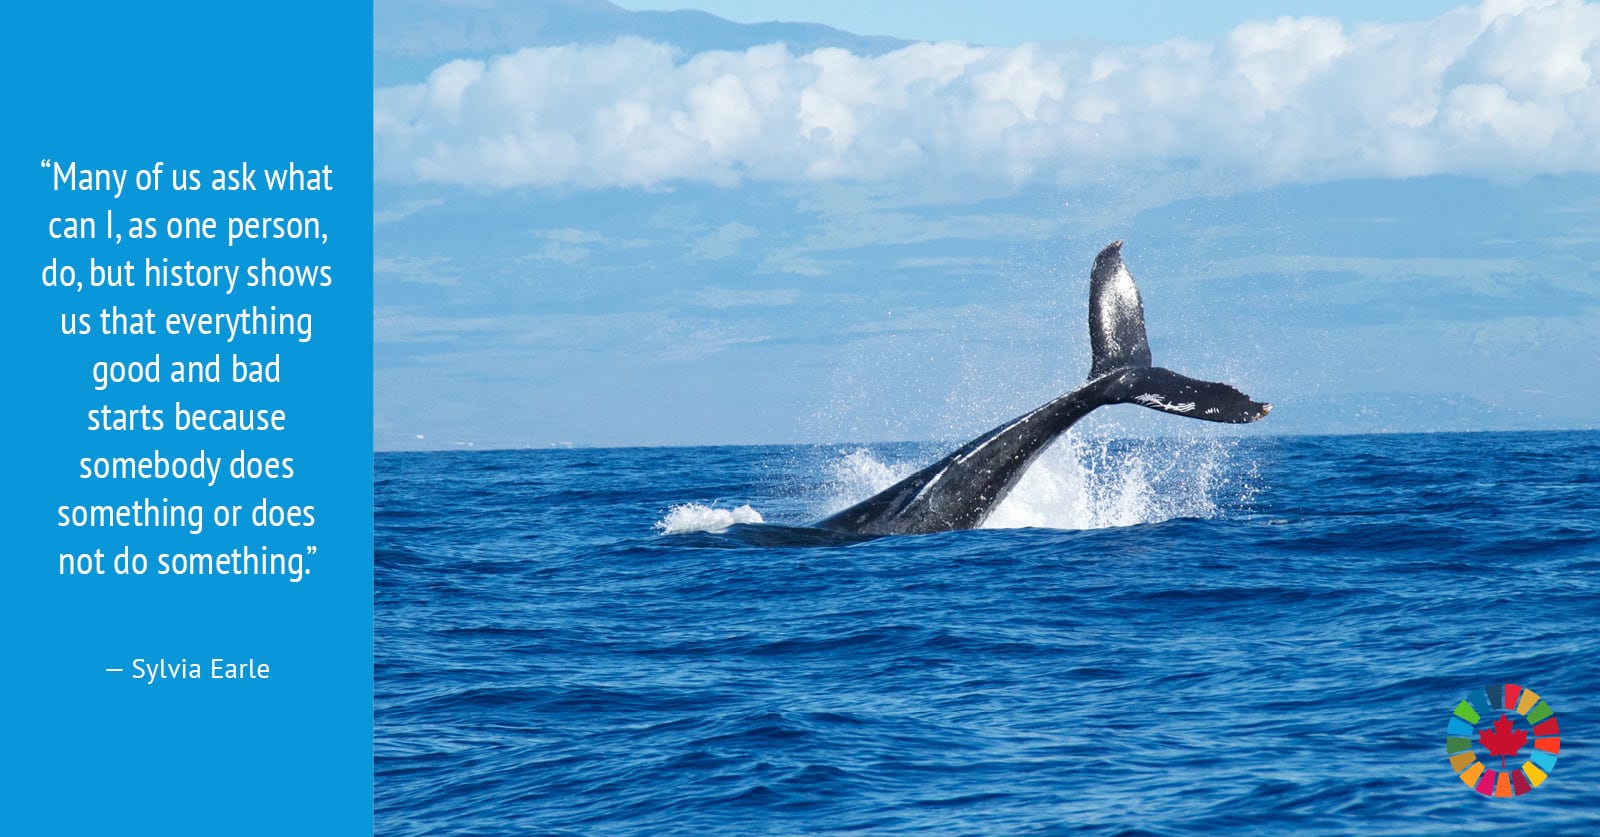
(694, 517)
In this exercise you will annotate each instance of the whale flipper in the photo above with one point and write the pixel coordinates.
(960, 490)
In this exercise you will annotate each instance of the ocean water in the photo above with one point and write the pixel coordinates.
(1246, 634)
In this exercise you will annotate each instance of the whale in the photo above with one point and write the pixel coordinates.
(960, 490)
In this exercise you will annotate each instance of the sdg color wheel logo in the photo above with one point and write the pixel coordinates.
(1503, 740)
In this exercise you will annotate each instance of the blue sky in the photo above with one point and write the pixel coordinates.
(599, 226)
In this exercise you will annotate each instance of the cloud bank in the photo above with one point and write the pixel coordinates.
(1507, 89)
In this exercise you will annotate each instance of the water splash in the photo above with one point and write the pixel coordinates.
(1096, 483)
(694, 517)
(1083, 483)
(857, 475)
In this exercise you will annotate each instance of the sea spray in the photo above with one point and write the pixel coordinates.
(1081, 482)
(857, 475)
(1097, 482)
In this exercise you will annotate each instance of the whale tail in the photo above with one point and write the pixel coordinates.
(1120, 346)
(960, 490)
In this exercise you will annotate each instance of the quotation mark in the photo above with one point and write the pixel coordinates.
(45, 163)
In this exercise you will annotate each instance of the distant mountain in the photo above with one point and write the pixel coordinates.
(411, 37)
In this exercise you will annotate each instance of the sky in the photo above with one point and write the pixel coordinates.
(607, 226)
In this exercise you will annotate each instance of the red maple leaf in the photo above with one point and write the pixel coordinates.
(1503, 741)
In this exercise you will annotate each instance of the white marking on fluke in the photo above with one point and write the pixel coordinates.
(1150, 399)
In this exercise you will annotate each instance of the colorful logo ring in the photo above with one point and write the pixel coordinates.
(1491, 709)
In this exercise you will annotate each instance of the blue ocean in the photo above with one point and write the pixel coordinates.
(1242, 634)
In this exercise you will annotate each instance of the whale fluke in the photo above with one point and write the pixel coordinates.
(960, 490)
(1116, 315)
(1169, 392)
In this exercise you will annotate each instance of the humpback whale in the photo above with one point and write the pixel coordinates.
(960, 490)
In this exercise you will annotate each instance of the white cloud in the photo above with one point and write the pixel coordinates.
(570, 235)
(429, 270)
(723, 241)
(1508, 89)
(568, 245)
(743, 297)
(953, 264)
(403, 210)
